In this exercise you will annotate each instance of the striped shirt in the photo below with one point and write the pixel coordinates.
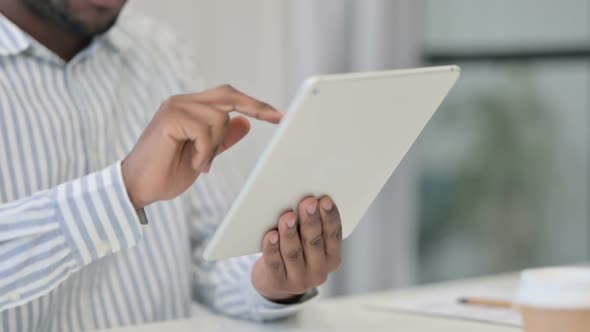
(73, 255)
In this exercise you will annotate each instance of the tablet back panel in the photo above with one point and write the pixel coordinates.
(343, 136)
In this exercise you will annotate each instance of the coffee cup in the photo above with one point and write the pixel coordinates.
(555, 299)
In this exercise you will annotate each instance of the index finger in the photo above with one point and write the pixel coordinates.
(229, 99)
(332, 230)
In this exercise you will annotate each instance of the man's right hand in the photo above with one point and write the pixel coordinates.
(184, 137)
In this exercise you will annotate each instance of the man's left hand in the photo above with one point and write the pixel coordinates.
(298, 256)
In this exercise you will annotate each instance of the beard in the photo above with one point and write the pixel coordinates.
(62, 14)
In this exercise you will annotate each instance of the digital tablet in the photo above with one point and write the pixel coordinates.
(343, 136)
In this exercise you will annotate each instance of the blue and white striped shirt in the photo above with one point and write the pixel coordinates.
(73, 255)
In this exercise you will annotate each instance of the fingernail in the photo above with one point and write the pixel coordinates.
(291, 222)
(327, 205)
(312, 208)
(274, 238)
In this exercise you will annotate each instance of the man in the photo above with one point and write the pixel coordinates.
(78, 93)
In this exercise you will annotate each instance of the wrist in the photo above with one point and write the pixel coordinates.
(131, 187)
(280, 297)
(290, 299)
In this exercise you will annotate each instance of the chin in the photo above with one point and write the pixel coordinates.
(80, 17)
(94, 19)
(97, 27)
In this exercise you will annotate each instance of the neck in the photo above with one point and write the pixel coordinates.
(66, 45)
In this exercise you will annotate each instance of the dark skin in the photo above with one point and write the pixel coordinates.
(61, 39)
(181, 141)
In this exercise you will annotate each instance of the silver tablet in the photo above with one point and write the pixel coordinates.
(343, 136)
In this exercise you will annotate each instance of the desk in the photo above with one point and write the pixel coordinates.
(352, 313)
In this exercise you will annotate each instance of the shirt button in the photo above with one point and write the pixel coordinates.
(14, 296)
(103, 248)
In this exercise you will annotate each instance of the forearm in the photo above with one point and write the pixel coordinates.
(46, 237)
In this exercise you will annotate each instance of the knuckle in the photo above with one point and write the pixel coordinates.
(219, 116)
(175, 98)
(228, 88)
(165, 131)
(317, 241)
(291, 233)
(201, 137)
(167, 104)
(294, 254)
(172, 102)
(335, 263)
(319, 279)
(275, 265)
(313, 221)
(273, 249)
(164, 104)
(168, 127)
(337, 234)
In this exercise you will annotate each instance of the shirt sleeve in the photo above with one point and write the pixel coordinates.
(46, 237)
(226, 285)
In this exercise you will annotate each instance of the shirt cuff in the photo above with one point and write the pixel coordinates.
(266, 310)
(97, 215)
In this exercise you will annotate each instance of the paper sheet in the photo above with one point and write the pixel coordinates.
(445, 304)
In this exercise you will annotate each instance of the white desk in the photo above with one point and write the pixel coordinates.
(347, 314)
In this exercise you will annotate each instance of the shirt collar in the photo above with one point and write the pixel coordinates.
(12, 39)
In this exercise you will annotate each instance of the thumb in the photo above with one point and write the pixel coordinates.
(237, 129)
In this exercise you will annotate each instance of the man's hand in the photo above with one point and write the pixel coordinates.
(296, 259)
(182, 139)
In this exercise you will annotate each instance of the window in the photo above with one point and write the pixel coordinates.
(505, 162)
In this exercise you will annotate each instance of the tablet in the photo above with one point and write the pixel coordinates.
(342, 136)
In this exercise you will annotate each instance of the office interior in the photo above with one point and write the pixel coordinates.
(500, 178)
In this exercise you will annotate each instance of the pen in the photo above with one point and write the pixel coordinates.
(492, 303)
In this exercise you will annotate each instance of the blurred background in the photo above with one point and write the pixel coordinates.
(498, 181)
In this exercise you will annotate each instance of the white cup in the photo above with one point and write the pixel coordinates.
(555, 299)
